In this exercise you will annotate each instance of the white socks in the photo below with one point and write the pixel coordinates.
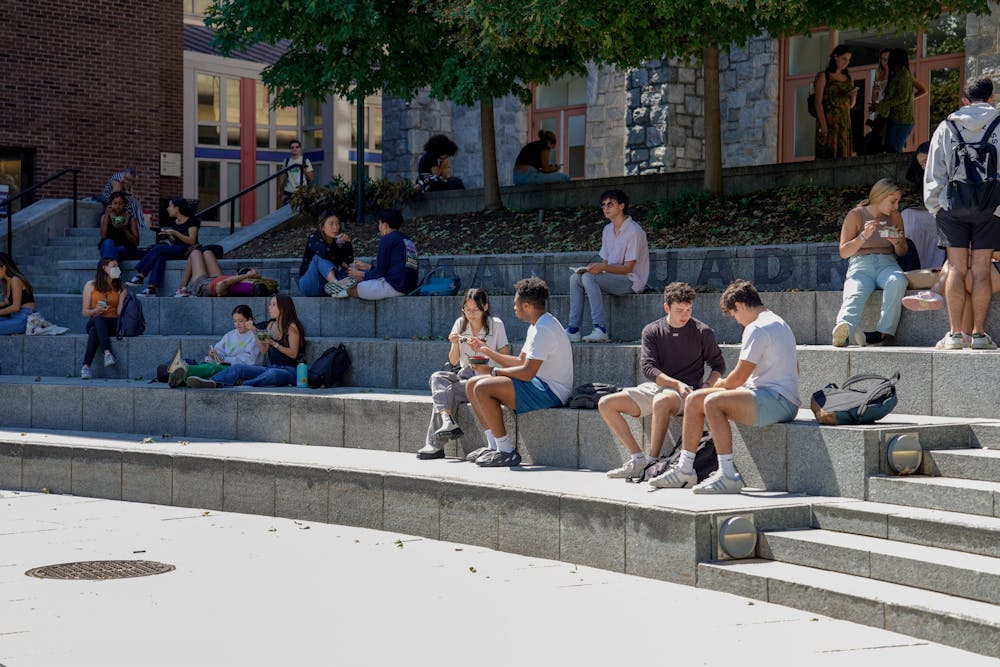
(639, 458)
(503, 444)
(686, 462)
(726, 465)
(491, 442)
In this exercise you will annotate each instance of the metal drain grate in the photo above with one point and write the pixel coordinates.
(100, 569)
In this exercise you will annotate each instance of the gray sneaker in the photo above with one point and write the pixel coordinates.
(717, 482)
(475, 454)
(630, 468)
(983, 342)
(674, 478)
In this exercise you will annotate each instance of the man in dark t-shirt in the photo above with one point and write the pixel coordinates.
(675, 351)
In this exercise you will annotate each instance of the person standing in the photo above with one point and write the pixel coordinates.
(896, 104)
(124, 181)
(763, 389)
(624, 268)
(964, 230)
(835, 96)
(299, 175)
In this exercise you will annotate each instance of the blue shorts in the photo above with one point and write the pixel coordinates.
(534, 395)
(772, 407)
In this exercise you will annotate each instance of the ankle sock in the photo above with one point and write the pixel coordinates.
(640, 457)
(491, 442)
(686, 461)
(573, 330)
(503, 444)
(726, 465)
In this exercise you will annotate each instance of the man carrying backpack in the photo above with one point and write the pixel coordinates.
(298, 176)
(961, 190)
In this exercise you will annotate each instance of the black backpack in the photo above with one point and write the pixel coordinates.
(972, 175)
(705, 461)
(131, 321)
(586, 396)
(329, 369)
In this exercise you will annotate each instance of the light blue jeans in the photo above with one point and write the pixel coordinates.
(534, 176)
(256, 376)
(865, 274)
(595, 285)
(312, 282)
(15, 323)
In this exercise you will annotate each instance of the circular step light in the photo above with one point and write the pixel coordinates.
(738, 537)
(904, 453)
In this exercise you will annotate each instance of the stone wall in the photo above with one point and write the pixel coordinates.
(606, 106)
(406, 126)
(982, 45)
(749, 80)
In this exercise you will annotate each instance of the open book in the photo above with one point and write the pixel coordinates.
(577, 269)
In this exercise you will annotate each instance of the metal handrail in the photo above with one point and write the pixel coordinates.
(10, 200)
(232, 209)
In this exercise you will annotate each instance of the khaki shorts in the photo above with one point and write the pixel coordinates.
(643, 396)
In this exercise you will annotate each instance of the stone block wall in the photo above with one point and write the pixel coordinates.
(406, 126)
(982, 45)
(606, 107)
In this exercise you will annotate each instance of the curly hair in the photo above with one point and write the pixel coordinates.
(440, 145)
(533, 290)
(678, 293)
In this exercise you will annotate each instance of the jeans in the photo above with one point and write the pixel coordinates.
(595, 285)
(256, 376)
(15, 323)
(865, 274)
(312, 282)
(99, 332)
(896, 135)
(110, 250)
(154, 263)
(532, 176)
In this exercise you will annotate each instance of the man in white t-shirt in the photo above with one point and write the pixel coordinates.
(623, 269)
(763, 389)
(538, 378)
(298, 176)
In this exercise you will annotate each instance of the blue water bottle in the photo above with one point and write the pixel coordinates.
(302, 375)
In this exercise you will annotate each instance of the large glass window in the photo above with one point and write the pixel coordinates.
(561, 107)
(275, 127)
(373, 138)
(196, 7)
(218, 111)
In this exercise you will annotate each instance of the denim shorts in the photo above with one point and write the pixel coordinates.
(534, 395)
(772, 407)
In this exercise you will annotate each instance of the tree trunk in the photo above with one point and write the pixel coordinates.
(488, 135)
(713, 128)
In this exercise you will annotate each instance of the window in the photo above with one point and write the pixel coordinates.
(218, 113)
(196, 7)
(275, 127)
(312, 125)
(373, 138)
(561, 107)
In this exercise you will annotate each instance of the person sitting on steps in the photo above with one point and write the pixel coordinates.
(173, 242)
(207, 278)
(327, 256)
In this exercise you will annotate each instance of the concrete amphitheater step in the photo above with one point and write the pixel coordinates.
(970, 496)
(978, 464)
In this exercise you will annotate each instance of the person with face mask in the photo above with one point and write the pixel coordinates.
(103, 298)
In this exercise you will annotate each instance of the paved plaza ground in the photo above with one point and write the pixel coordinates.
(251, 590)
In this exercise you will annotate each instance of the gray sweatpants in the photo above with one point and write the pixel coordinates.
(447, 392)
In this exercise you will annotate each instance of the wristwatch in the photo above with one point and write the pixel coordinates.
(861, 237)
(493, 371)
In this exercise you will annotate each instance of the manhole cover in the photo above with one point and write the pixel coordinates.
(100, 569)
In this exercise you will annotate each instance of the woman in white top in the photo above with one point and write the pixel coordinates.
(448, 386)
(238, 346)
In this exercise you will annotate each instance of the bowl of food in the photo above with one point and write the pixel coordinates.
(263, 335)
(478, 361)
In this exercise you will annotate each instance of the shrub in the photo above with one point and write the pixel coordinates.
(342, 195)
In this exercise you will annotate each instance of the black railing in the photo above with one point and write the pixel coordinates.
(232, 209)
(22, 193)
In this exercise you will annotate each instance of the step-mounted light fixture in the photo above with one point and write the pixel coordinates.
(903, 453)
(737, 538)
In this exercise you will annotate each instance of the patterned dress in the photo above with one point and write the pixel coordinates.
(837, 109)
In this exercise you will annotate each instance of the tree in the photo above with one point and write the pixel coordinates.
(625, 34)
(353, 48)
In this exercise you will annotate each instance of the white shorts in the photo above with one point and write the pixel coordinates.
(643, 396)
(373, 290)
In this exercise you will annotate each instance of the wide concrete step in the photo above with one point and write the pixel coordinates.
(954, 621)
(943, 570)
(939, 493)
(574, 516)
(929, 527)
(981, 464)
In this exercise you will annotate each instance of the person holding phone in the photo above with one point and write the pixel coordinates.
(835, 97)
(102, 302)
(871, 239)
(532, 164)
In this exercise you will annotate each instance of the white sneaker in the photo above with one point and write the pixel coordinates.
(575, 336)
(85, 373)
(631, 468)
(596, 336)
(982, 342)
(674, 478)
(717, 482)
(841, 334)
(338, 288)
(951, 341)
(109, 359)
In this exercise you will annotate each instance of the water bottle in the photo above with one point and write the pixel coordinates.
(302, 375)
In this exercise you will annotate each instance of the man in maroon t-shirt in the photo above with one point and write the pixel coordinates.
(675, 351)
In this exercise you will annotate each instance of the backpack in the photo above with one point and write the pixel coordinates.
(329, 369)
(439, 286)
(131, 321)
(705, 461)
(835, 405)
(811, 100)
(972, 175)
(586, 396)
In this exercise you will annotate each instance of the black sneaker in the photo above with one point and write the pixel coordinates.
(874, 338)
(201, 383)
(134, 280)
(499, 460)
(475, 454)
(430, 455)
(178, 376)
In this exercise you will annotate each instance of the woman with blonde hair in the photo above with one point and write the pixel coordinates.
(870, 239)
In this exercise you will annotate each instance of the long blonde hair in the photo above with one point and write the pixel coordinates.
(884, 187)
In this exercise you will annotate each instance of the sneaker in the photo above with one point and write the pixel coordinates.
(338, 288)
(428, 452)
(871, 339)
(951, 341)
(135, 280)
(841, 334)
(925, 300)
(574, 335)
(109, 359)
(630, 468)
(85, 373)
(182, 291)
(201, 383)
(475, 454)
(149, 291)
(449, 431)
(674, 478)
(982, 342)
(598, 335)
(499, 459)
(177, 376)
(717, 482)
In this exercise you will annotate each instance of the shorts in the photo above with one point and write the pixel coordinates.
(205, 286)
(643, 396)
(534, 395)
(960, 232)
(772, 407)
(373, 290)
